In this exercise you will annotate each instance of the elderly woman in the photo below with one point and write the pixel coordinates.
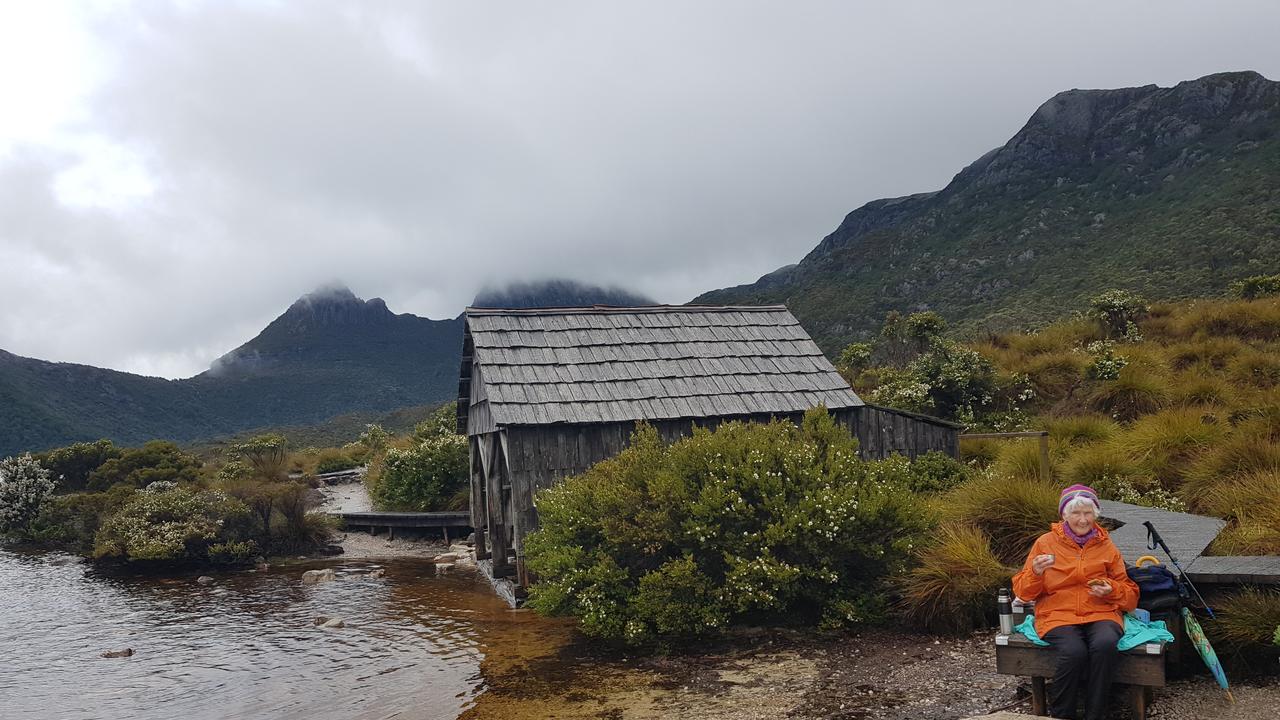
(1077, 578)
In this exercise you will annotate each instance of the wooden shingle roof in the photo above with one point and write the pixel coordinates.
(609, 364)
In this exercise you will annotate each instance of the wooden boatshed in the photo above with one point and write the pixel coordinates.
(546, 393)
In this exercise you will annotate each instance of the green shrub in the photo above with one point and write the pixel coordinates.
(444, 421)
(233, 553)
(1011, 511)
(70, 521)
(1256, 286)
(951, 586)
(1118, 311)
(158, 460)
(749, 523)
(267, 454)
(24, 487)
(936, 471)
(172, 525)
(72, 465)
(1242, 632)
(422, 478)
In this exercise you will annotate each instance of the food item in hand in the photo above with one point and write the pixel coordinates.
(1098, 582)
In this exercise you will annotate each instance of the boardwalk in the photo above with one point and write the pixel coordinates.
(414, 520)
(1188, 536)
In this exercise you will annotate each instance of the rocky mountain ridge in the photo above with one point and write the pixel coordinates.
(1169, 191)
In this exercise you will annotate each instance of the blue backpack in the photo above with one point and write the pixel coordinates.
(1153, 578)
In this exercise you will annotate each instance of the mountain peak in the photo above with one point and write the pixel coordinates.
(333, 305)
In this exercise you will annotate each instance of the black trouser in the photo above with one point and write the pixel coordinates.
(1086, 655)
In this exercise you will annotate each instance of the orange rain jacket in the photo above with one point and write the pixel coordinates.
(1061, 593)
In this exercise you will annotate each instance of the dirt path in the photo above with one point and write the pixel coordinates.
(359, 545)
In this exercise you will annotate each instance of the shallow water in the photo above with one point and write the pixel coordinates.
(414, 645)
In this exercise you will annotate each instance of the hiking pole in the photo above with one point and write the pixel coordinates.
(1154, 539)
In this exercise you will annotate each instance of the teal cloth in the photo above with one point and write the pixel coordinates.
(1136, 632)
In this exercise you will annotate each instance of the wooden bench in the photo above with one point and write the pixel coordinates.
(1141, 668)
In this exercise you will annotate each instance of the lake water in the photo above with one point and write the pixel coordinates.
(414, 645)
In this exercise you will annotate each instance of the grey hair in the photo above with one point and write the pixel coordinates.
(1076, 502)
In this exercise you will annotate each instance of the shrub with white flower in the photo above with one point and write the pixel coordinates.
(24, 486)
(751, 523)
(176, 524)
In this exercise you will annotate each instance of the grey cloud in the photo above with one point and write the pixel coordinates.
(421, 151)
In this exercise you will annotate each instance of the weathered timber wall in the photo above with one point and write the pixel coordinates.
(882, 432)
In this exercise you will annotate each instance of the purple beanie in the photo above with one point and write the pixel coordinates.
(1074, 492)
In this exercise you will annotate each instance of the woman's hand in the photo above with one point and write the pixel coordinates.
(1041, 563)
(1100, 589)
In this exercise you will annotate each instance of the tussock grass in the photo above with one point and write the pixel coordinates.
(1257, 369)
(1165, 443)
(1081, 429)
(1012, 511)
(1210, 353)
(1243, 631)
(1193, 389)
(1254, 495)
(1244, 319)
(1102, 465)
(1242, 454)
(979, 453)
(1054, 374)
(1021, 458)
(1134, 394)
(950, 589)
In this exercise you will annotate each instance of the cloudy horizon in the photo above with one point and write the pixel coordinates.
(174, 175)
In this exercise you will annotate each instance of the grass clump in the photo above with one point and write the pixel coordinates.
(949, 590)
(1165, 443)
(1237, 456)
(1133, 394)
(1012, 511)
(1243, 633)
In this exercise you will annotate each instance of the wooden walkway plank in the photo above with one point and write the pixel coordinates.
(1242, 570)
(1187, 535)
(406, 519)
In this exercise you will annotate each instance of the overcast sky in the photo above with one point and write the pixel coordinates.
(174, 175)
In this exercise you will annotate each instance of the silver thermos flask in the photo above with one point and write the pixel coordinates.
(1005, 605)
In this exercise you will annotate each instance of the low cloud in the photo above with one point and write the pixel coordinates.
(228, 157)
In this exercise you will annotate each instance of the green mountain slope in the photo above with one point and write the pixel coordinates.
(1172, 192)
(330, 357)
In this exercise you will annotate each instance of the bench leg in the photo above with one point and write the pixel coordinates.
(1138, 700)
(1038, 705)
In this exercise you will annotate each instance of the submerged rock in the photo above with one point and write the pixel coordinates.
(377, 573)
(205, 580)
(333, 623)
(311, 577)
(127, 652)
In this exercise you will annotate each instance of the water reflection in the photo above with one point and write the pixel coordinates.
(246, 646)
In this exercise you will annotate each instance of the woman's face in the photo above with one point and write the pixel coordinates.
(1081, 518)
